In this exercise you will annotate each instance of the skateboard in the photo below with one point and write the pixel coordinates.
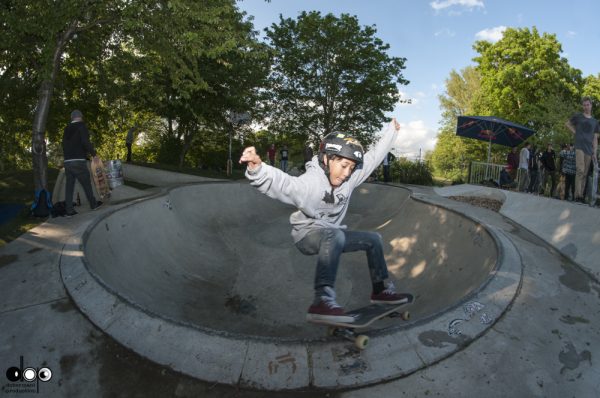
(99, 177)
(364, 317)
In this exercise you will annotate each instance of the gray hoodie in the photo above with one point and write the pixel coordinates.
(319, 206)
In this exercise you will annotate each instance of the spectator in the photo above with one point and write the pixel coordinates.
(569, 169)
(283, 158)
(548, 162)
(506, 180)
(586, 129)
(76, 145)
(271, 154)
(387, 160)
(524, 167)
(307, 154)
(512, 161)
(534, 181)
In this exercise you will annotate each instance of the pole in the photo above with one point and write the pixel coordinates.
(487, 167)
(229, 161)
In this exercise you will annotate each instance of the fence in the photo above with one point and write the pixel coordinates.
(481, 173)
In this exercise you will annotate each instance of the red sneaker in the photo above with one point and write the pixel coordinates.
(389, 296)
(328, 310)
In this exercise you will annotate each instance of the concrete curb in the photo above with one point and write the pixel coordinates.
(564, 225)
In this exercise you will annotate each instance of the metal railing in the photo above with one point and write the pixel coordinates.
(480, 173)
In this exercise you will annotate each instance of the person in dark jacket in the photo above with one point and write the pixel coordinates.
(548, 160)
(533, 171)
(512, 160)
(76, 146)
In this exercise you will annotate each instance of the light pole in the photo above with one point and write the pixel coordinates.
(235, 119)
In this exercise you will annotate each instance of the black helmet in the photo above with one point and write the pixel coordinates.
(341, 144)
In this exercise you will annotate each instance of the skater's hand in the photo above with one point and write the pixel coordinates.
(396, 124)
(250, 157)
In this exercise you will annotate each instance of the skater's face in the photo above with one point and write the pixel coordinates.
(587, 107)
(339, 170)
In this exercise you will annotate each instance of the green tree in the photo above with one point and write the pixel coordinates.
(591, 89)
(452, 154)
(122, 65)
(203, 65)
(329, 74)
(525, 79)
(36, 36)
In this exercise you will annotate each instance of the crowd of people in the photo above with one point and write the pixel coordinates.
(566, 175)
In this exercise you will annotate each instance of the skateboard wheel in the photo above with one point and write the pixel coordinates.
(331, 331)
(405, 315)
(361, 341)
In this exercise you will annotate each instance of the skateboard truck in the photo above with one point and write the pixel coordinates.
(361, 340)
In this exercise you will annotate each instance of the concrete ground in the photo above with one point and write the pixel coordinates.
(545, 345)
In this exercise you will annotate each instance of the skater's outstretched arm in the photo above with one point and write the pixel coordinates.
(271, 181)
(375, 155)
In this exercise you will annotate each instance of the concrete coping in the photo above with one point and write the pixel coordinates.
(283, 364)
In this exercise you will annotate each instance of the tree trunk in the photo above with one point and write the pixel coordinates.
(38, 140)
(187, 144)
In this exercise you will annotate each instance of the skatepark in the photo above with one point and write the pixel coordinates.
(197, 282)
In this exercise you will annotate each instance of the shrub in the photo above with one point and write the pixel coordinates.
(406, 172)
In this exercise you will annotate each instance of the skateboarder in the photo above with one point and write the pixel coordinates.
(321, 196)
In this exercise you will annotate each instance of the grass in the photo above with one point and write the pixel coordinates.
(17, 187)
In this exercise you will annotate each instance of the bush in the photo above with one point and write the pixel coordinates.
(406, 172)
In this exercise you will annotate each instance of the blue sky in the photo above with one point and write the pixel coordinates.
(437, 36)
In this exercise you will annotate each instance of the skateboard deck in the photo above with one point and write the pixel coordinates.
(99, 177)
(364, 317)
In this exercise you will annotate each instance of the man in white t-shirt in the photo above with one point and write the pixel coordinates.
(524, 167)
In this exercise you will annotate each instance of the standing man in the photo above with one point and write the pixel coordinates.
(386, 166)
(307, 154)
(534, 173)
(586, 129)
(283, 158)
(524, 167)
(76, 145)
(512, 160)
(569, 169)
(548, 160)
(129, 142)
(271, 154)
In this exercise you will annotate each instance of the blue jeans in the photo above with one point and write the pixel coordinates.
(330, 243)
(284, 164)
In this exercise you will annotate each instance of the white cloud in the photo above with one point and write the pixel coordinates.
(415, 139)
(571, 34)
(468, 4)
(491, 34)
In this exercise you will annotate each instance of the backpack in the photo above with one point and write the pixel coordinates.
(42, 204)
